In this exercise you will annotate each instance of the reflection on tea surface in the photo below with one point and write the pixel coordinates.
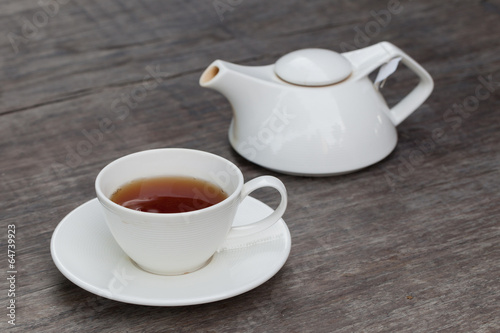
(168, 194)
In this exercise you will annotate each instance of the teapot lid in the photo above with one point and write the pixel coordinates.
(313, 67)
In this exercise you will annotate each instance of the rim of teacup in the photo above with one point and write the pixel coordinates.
(112, 205)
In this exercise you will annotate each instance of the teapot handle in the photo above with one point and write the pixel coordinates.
(370, 58)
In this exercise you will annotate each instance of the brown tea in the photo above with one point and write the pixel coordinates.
(168, 195)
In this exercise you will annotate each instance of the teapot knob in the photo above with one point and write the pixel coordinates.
(313, 67)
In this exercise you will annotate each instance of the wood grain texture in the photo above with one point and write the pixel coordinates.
(411, 244)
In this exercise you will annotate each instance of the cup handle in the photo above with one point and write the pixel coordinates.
(368, 59)
(249, 187)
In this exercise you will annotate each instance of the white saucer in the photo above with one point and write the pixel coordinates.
(85, 252)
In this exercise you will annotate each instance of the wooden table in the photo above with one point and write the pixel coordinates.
(410, 244)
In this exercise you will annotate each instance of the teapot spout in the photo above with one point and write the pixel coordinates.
(239, 84)
(224, 77)
(210, 77)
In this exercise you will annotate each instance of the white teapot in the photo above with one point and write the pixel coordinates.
(315, 112)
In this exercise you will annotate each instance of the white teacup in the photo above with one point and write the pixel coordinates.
(178, 243)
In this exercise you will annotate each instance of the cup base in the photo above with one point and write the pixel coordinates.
(151, 271)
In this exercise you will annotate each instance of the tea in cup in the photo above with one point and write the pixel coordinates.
(171, 209)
